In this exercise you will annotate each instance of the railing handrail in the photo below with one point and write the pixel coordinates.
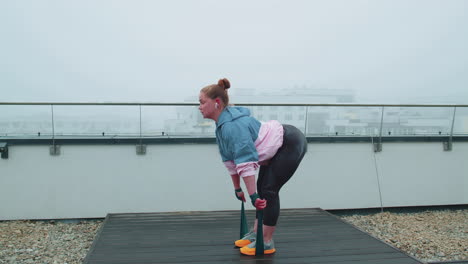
(239, 104)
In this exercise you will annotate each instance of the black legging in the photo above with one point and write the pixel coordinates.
(279, 170)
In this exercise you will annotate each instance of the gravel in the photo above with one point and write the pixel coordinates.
(440, 235)
(49, 242)
(430, 236)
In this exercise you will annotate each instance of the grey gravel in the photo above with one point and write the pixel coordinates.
(50, 242)
(428, 236)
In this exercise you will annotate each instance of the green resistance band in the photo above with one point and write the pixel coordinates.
(244, 229)
(259, 247)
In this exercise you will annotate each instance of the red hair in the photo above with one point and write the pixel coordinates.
(214, 91)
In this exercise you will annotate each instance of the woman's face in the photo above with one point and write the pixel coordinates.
(207, 106)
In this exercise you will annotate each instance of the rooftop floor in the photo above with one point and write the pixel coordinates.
(302, 236)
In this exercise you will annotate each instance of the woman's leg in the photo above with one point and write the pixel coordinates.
(279, 170)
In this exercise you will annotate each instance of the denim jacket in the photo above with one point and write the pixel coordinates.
(236, 132)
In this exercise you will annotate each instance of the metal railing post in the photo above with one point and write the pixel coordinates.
(306, 120)
(448, 145)
(140, 148)
(53, 125)
(54, 150)
(378, 145)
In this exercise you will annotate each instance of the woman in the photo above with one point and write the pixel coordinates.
(245, 144)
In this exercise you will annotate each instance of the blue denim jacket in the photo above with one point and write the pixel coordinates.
(236, 132)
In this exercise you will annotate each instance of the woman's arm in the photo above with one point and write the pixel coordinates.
(237, 189)
(235, 181)
(249, 182)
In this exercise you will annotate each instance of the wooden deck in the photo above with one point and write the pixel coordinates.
(302, 236)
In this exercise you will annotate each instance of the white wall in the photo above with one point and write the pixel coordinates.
(90, 181)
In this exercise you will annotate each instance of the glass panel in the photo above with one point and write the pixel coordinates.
(186, 121)
(414, 121)
(461, 121)
(176, 121)
(96, 120)
(343, 121)
(291, 115)
(153, 120)
(25, 121)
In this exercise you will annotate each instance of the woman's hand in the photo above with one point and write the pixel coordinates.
(240, 195)
(260, 204)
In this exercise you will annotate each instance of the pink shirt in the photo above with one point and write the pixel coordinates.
(269, 140)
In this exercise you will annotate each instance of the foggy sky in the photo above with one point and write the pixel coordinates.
(165, 51)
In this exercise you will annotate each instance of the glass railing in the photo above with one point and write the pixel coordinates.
(133, 120)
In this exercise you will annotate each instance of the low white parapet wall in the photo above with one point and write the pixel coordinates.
(90, 181)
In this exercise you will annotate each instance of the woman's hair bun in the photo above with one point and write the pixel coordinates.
(224, 83)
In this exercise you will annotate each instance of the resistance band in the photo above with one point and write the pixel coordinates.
(244, 229)
(259, 247)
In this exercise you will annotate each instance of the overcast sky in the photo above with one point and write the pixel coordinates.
(165, 51)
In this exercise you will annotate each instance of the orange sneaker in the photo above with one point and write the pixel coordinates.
(247, 239)
(269, 248)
